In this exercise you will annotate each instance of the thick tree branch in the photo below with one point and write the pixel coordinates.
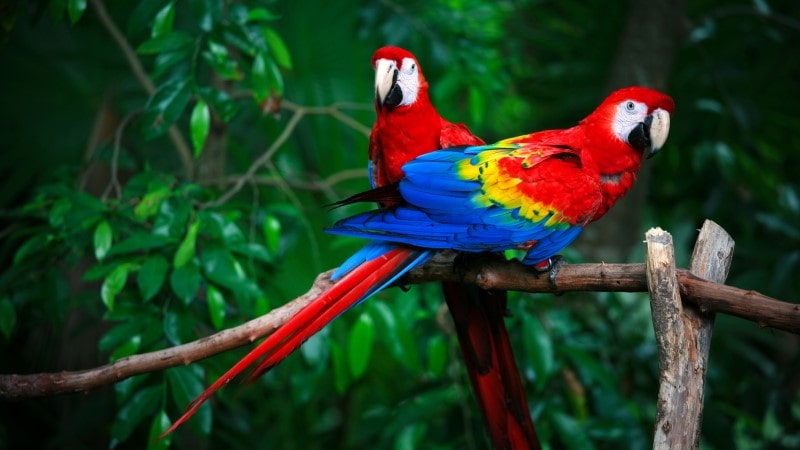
(37, 385)
(487, 272)
(683, 333)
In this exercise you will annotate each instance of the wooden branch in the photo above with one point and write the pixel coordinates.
(14, 387)
(494, 273)
(683, 333)
(490, 273)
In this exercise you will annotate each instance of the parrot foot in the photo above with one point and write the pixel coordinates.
(551, 265)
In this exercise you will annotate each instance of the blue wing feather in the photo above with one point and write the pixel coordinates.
(445, 211)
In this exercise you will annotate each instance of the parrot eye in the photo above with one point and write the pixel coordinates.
(409, 66)
(630, 106)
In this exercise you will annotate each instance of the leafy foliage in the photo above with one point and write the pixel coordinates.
(122, 236)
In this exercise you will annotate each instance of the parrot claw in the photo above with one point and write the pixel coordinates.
(551, 265)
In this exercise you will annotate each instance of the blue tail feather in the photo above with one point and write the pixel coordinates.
(375, 249)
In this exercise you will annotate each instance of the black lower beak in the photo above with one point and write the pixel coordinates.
(639, 137)
(395, 95)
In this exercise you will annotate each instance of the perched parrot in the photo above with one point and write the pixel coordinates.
(407, 126)
(534, 192)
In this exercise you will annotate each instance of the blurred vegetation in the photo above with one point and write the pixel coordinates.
(115, 241)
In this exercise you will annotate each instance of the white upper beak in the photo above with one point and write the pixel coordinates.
(385, 78)
(659, 130)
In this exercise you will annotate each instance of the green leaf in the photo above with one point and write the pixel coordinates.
(272, 232)
(208, 13)
(185, 384)
(397, 336)
(113, 285)
(222, 227)
(280, 53)
(252, 250)
(186, 250)
(128, 348)
(185, 281)
(237, 13)
(275, 78)
(261, 306)
(216, 307)
(142, 15)
(162, 24)
(222, 268)
(387, 322)
(8, 317)
(539, 347)
(151, 276)
(260, 14)
(437, 355)
(169, 42)
(60, 209)
(220, 60)
(218, 51)
(102, 240)
(117, 335)
(172, 326)
(341, 377)
(151, 202)
(237, 39)
(141, 405)
(124, 389)
(571, 431)
(32, 246)
(160, 424)
(199, 125)
(220, 102)
(165, 106)
(316, 350)
(360, 345)
(166, 61)
(75, 9)
(173, 217)
(140, 241)
(259, 78)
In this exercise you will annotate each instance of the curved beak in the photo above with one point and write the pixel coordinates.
(387, 91)
(651, 134)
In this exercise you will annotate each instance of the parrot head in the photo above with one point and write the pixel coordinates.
(639, 117)
(398, 77)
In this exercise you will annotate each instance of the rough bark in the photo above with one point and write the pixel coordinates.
(683, 333)
(491, 274)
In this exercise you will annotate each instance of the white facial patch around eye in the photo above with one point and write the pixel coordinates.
(629, 114)
(408, 80)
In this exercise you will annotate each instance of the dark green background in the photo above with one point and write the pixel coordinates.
(505, 68)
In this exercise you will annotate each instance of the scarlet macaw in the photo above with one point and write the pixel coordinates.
(534, 192)
(407, 126)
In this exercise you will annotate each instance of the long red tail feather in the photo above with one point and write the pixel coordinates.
(345, 293)
(365, 278)
(479, 318)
